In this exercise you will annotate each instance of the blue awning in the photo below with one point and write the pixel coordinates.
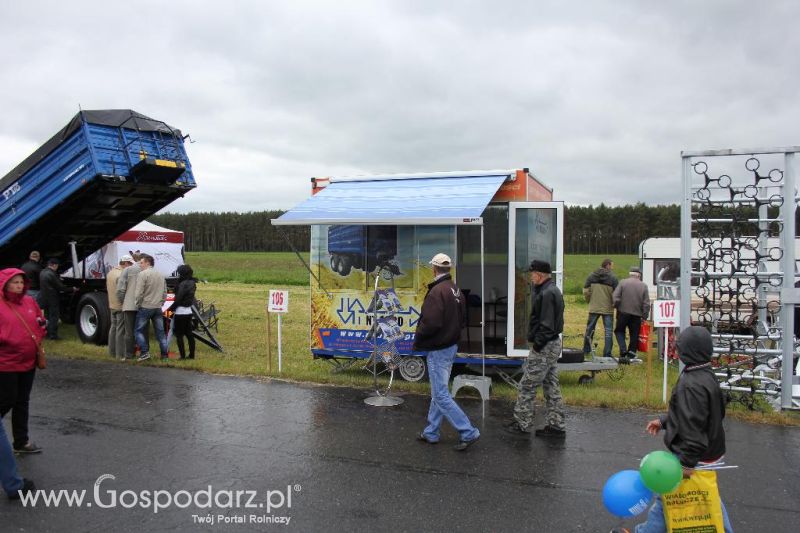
(434, 199)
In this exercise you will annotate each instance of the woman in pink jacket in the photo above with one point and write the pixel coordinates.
(21, 332)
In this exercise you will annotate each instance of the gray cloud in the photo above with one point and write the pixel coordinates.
(597, 98)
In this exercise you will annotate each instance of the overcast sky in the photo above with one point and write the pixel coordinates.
(597, 98)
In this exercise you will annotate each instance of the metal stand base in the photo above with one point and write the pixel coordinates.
(383, 401)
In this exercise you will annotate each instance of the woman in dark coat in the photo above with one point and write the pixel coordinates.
(182, 309)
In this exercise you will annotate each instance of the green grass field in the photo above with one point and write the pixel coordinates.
(262, 268)
(238, 284)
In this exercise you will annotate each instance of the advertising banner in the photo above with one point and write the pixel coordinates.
(347, 260)
(164, 245)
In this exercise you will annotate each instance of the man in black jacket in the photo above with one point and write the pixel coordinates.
(438, 330)
(50, 288)
(544, 329)
(32, 268)
(693, 424)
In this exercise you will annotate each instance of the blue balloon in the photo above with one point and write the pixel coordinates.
(624, 494)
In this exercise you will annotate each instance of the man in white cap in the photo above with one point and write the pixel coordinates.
(126, 292)
(441, 320)
(116, 333)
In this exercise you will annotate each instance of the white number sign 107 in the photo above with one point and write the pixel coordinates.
(666, 313)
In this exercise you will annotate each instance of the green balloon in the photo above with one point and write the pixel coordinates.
(661, 472)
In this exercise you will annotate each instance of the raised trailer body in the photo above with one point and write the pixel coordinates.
(100, 175)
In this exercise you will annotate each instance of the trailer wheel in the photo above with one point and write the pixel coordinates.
(345, 266)
(334, 264)
(585, 379)
(412, 368)
(92, 319)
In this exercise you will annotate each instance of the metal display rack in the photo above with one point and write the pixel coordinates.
(384, 334)
(738, 266)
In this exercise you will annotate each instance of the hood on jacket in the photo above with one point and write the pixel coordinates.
(5, 276)
(695, 346)
(603, 276)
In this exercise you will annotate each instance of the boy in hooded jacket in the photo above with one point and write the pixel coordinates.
(693, 424)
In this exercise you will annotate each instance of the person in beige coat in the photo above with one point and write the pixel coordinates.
(151, 293)
(126, 293)
(116, 333)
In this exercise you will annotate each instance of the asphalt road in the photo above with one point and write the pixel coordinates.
(326, 461)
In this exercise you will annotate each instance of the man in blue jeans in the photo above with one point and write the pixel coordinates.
(598, 292)
(9, 479)
(151, 292)
(441, 320)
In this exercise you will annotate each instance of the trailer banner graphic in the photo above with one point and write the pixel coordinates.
(343, 322)
(358, 340)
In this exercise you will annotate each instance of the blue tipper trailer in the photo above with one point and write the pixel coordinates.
(103, 173)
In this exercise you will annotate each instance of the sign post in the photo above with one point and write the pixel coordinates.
(269, 346)
(666, 314)
(278, 303)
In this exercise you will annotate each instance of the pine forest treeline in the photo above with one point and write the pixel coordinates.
(588, 230)
(617, 230)
(234, 232)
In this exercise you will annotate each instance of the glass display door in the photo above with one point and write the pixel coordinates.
(535, 231)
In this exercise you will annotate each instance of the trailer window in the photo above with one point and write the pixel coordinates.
(673, 270)
(672, 273)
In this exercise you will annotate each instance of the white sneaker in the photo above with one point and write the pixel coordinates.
(144, 357)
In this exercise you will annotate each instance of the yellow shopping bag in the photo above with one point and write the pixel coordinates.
(694, 507)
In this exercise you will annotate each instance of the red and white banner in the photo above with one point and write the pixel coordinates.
(165, 245)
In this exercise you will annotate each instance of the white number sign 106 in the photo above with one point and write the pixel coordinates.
(278, 301)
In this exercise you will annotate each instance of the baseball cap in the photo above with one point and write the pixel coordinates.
(540, 266)
(635, 269)
(54, 261)
(126, 259)
(441, 260)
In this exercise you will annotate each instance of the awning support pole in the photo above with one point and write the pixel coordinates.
(483, 308)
